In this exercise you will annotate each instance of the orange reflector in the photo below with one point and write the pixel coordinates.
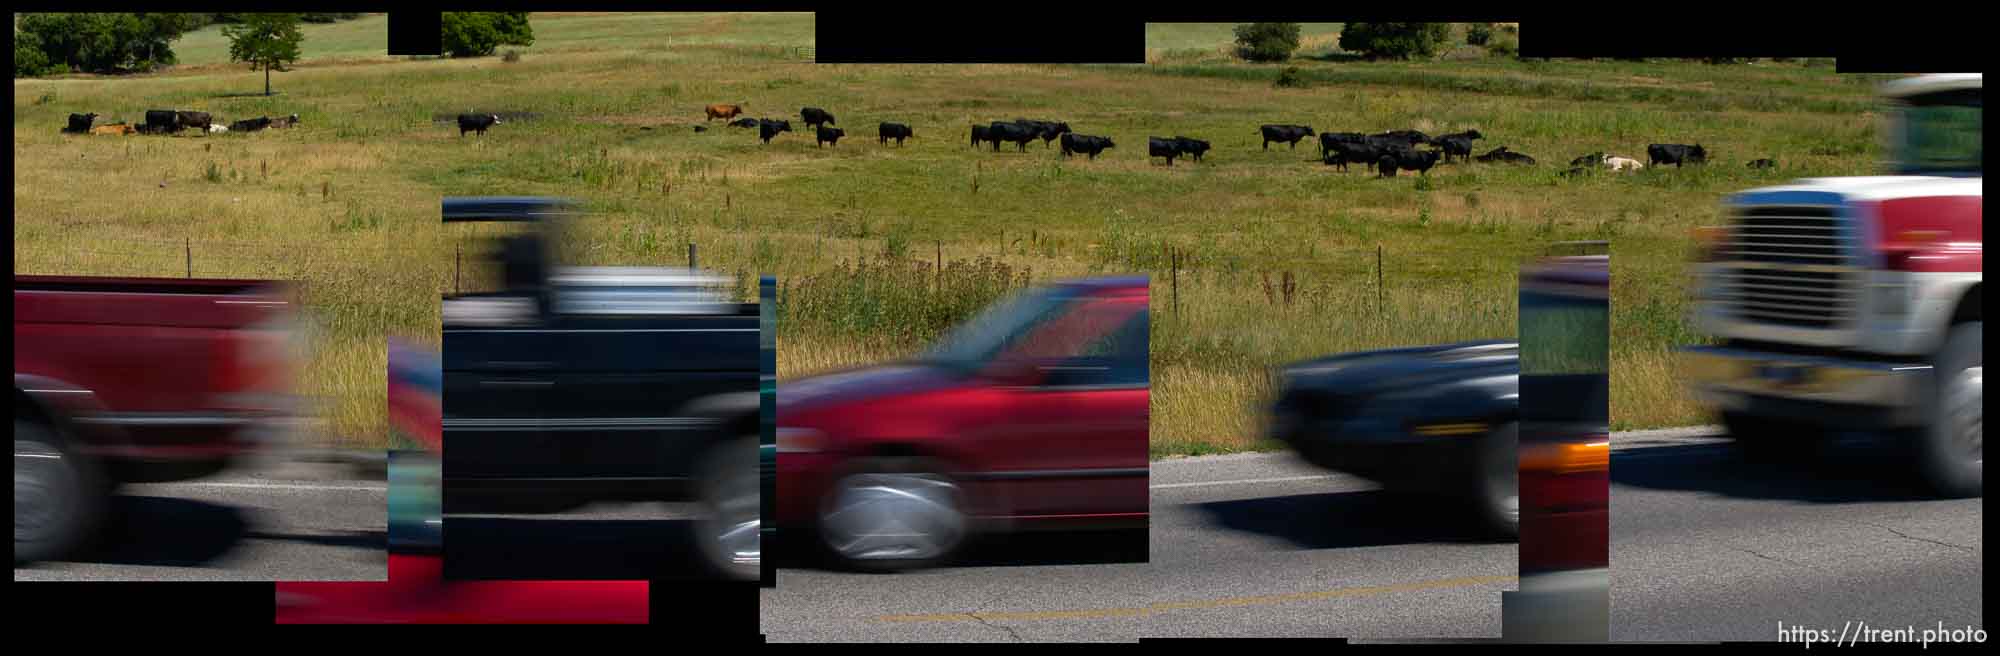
(1566, 458)
(1920, 236)
(1710, 235)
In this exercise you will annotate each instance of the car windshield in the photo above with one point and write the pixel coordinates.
(1941, 133)
(980, 339)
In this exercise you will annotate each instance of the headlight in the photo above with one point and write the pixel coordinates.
(800, 440)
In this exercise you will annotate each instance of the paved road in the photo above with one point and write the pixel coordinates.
(1704, 548)
(293, 523)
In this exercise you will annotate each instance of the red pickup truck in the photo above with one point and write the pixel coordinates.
(127, 380)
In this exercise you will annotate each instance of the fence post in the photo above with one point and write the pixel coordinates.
(1380, 295)
(326, 190)
(691, 256)
(188, 249)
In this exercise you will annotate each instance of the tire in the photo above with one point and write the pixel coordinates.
(1496, 490)
(59, 497)
(892, 514)
(1765, 440)
(1949, 449)
(729, 526)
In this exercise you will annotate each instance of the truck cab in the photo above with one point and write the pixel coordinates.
(1854, 302)
(569, 385)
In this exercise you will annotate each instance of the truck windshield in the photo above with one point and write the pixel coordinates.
(981, 338)
(1941, 134)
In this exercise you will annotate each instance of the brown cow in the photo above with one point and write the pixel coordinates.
(117, 130)
(724, 111)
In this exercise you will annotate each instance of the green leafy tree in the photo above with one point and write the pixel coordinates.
(1267, 42)
(103, 42)
(1477, 34)
(1395, 40)
(480, 33)
(265, 41)
(29, 60)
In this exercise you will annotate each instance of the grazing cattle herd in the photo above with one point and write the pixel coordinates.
(170, 121)
(1386, 153)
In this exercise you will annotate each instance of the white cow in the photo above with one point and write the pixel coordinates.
(1622, 163)
(217, 127)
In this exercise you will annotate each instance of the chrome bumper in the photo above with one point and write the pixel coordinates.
(1731, 377)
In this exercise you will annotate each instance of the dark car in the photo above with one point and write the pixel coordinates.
(767, 406)
(579, 384)
(1434, 419)
(1032, 415)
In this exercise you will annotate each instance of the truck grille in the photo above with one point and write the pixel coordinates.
(1791, 266)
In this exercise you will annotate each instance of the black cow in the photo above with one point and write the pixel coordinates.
(1328, 139)
(1503, 155)
(745, 122)
(1017, 133)
(1408, 159)
(978, 134)
(1363, 152)
(285, 121)
(250, 124)
(767, 129)
(1086, 144)
(1575, 171)
(1454, 145)
(1191, 147)
(1764, 163)
(1675, 154)
(162, 120)
(1049, 130)
(197, 120)
(80, 123)
(1593, 159)
(1470, 135)
(698, 128)
(826, 135)
(896, 131)
(476, 123)
(1407, 137)
(1288, 134)
(815, 117)
(1157, 147)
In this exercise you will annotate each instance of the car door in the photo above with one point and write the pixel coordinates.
(1074, 446)
(495, 384)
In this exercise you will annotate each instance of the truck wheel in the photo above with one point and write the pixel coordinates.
(1764, 440)
(892, 514)
(1949, 450)
(1496, 494)
(59, 498)
(728, 527)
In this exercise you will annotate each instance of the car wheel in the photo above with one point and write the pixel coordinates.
(1765, 440)
(59, 498)
(728, 527)
(1496, 495)
(892, 514)
(1949, 449)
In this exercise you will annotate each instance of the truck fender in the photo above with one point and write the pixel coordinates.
(60, 402)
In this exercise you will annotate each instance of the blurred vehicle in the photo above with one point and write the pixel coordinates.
(1853, 303)
(767, 415)
(137, 380)
(416, 592)
(1431, 419)
(1032, 415)
(578, 384)
(1564, 453)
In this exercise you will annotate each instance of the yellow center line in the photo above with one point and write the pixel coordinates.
(1226, 602)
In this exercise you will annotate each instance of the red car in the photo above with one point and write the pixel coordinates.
(137, 380)
(1031, 416)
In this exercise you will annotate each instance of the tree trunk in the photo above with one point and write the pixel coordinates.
(267, 79)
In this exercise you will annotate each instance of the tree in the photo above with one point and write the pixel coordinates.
(1395, 40)
(1477, 34)
(1267, 42)
(479, 33)
(103, 42)
(265, 40)
(29, 60)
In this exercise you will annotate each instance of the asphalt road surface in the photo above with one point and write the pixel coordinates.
(291, 523)
(1704, 547)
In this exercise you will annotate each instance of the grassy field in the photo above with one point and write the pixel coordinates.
(856, 231)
